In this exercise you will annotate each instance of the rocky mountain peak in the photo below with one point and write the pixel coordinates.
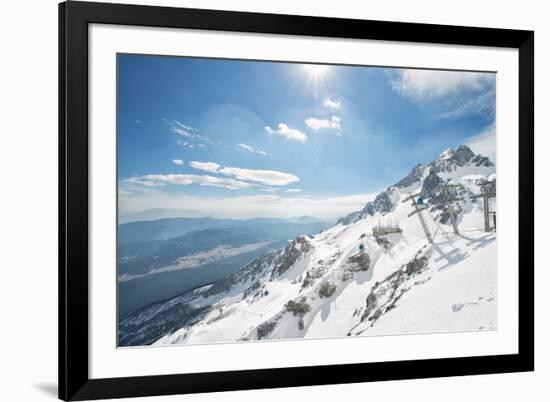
(446, 154)
(463, 154)
(450, 160)
(428, 176)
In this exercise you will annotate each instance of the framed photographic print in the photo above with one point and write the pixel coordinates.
(257, 201)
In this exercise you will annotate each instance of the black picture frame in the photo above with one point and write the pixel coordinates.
(74, 381)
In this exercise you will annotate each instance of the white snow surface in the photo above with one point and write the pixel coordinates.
(456, 290)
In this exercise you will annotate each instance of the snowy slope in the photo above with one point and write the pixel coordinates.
(458, 291)
(324, 286)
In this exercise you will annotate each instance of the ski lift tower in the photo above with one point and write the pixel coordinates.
(448, 200)
(488, 190)
(418, 208)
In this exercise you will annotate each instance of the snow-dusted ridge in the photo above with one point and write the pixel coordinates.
(324, 286)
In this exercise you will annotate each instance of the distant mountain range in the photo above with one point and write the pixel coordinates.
(162, 229)
(159, 213)
(162, 258)
(156, 214)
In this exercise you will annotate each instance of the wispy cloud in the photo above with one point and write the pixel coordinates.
(481, 104)
(182, 129)
(178, 162)
(293, 190)
(191, 145)
(327, 102)
(140, 181)
(428, 84)
(240, 178)
(287, 132)
(267, 177)
(188, 179)
(457, 93)
(252, 149)
(188, 136)
(322, 124)
(206, 166)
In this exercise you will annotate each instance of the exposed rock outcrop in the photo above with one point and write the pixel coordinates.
(298, 308)
(293, 251)
(265, 329)
(327, 289)
(385, 294)
(359, 262)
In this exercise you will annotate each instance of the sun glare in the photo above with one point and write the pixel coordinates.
(316, 77)
(316, 70)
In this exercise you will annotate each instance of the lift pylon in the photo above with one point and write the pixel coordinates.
(448, 201)
(418, 208)
(487, 192)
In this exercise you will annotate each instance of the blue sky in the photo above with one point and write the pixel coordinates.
(242, 138)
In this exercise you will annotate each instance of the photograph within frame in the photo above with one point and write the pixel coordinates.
(220, 240)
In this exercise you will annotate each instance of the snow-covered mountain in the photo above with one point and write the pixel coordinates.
(345, 281)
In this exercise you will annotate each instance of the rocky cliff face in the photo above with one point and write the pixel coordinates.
(386, 294)
(293, 251)
(431, 182)
(414, 176)
(382, 203)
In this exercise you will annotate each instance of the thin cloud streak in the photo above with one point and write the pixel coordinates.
(252, 149)
(267, 177)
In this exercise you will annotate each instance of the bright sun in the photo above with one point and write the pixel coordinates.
(316, 71)
(317, 77)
